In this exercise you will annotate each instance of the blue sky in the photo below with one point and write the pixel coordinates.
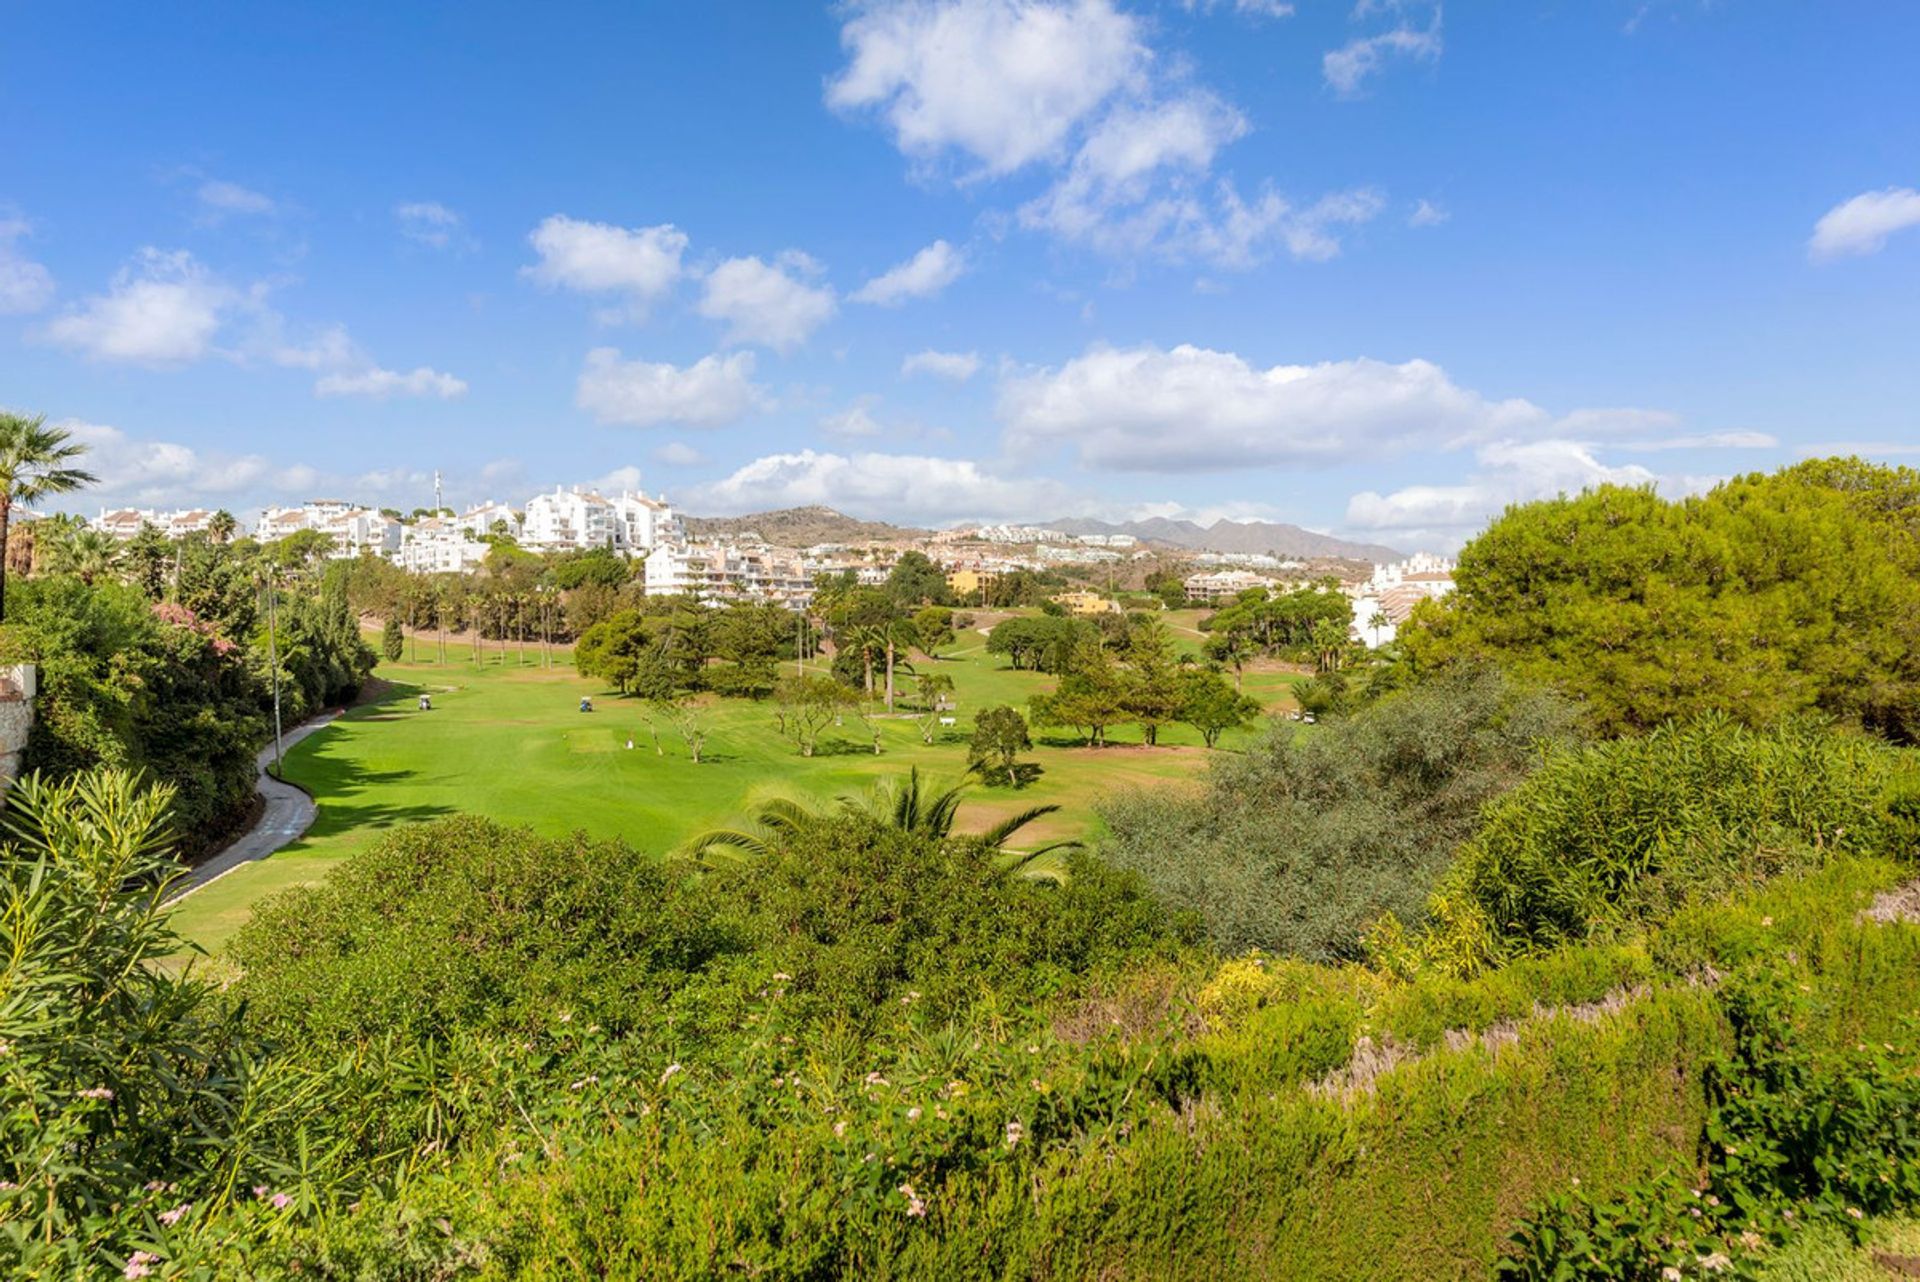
(1377, 267)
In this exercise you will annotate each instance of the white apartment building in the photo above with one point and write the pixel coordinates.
(568, 520)
(124, 523)
(279, 522)
(1222, 585)
(482, 518)
(719, 572)
(361, 530)
(1393, 592)
(437, 546)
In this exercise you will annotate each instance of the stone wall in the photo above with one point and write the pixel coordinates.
(18, 685)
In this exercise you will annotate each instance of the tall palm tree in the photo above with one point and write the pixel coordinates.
(909, 805)
(221, 526)
(34, 464)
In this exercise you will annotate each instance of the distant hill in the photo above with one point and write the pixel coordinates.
(1271, 538)
(799, 527)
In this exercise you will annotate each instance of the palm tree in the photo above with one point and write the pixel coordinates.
(1378, 621)
(87, 554)
(221, 526)
(909, 805)
(33, 466)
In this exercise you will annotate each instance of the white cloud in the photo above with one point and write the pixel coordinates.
(25, 286)
(856, 422)
(1509, 472)
(765, 302)
(1708, 441)
(958, 366)
(141, 472)
(430, 223)
(679, 454)
(1427, 214)
(1861, 226)
(164, 309)
(1004, 82)
(1245, 8)
(712, 392)
(642, 263)
(922, 276)
(1140, 184)
(383, 383)
(219, 199)
(1071, 84)
(1347, 68)
(1191, 408)
(911, 488)
(621, 480)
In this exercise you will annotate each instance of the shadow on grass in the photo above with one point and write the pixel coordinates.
(1025, 774)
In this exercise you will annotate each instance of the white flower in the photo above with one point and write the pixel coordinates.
(1015, 1132)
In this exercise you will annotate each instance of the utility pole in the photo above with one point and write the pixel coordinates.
(273, 658)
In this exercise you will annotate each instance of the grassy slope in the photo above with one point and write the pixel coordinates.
(508, 741)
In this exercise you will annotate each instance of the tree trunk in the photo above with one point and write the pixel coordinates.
(889, 673)
(6, 519)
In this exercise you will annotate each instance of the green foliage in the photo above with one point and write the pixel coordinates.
(595, 565)
(1043, 644)
(804, 706)
(393, 639)
(915, 580)
(147, 689)
(1770, 596)
(127, 1099)
(1293, 624)
(1615, 834)
(1298, 845)
(999, 737)
(1801, 1134)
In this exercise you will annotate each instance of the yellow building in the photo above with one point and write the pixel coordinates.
(967, 584)
(1086, 603)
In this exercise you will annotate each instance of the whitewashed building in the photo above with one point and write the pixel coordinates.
(361, 530)
(1222, 585)
(1389, 597)
(124, 523)
(721, 572)
(439, 546)
(483, 518)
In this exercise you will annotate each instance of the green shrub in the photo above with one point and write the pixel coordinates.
(1310, 835)
(1618, 834)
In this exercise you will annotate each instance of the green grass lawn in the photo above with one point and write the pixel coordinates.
(506, 740)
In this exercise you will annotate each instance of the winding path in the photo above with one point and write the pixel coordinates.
(285, 817)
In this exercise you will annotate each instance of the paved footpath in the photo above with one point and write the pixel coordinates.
(287, 815)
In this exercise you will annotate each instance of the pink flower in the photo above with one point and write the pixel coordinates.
(1856, 1213)
(140, 1265)
(281, 1201)
(1015, 1133)
(96, 1092)
(259, 1190)
(916, 1205)
(178, 1213)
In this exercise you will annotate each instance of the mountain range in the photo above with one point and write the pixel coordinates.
(1272, 538)
(805, 526)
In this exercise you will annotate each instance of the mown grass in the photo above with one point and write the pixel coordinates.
(506, 740)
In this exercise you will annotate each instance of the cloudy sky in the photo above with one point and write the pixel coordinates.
(1374, 266)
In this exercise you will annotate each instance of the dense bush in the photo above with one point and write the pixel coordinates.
(1616, 834)
(1301, 842)
(1770, 596)
(463, 924)
(143, 688)
(127, 1098)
